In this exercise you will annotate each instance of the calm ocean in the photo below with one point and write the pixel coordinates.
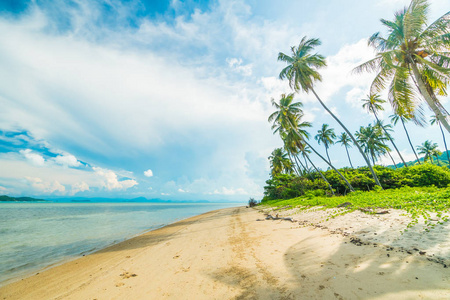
(36, 235)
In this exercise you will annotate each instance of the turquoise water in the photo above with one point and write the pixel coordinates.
(36, 235)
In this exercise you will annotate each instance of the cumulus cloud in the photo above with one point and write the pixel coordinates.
(148, 173)
(33, 157)
(46, 187)
(111, 182)
(67, 160)
(79, 187)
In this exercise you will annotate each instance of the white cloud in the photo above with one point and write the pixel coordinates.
(236, 64)
(79, 187)
(148, 173)
(34, 158)
(46, 187)
(110, 181)
(181, 191)
(230, 191)
(67, 160)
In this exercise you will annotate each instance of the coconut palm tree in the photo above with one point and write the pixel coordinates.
(433, 121)
(394, 119)
(373, 104)
(287, 117)
(427, 148)
(279, 162)
(372, 140)
(301, 71)
(344, 140)
(437, 153)
(326, 136)
(414, 57)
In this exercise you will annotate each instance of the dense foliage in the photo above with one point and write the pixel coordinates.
(287, 186)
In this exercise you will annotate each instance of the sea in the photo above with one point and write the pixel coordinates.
(35, 235)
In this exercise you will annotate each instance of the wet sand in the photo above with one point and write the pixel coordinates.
(228, 254)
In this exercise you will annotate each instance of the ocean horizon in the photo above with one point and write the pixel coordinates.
(35, 235)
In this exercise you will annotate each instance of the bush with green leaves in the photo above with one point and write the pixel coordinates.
(290, 186)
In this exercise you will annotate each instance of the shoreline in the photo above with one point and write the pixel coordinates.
(31, 272)
(228, 254)
(35, 254)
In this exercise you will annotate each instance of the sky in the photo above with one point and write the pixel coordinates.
(170, 99)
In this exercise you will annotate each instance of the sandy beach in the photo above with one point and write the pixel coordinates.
(228, 254)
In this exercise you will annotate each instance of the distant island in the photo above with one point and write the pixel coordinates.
(5, 198)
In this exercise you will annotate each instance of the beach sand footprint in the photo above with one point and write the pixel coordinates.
(126, 275)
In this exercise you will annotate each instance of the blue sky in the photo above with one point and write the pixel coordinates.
(170, 99)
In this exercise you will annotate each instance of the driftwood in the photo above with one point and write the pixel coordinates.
(270, 217)
(378, 212)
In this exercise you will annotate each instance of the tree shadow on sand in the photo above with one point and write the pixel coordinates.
(345, 270)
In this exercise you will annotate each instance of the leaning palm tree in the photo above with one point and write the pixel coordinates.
(373, 104)
(385, 132)
(403, 118)
(326, 136)
(344, 140)
(433, 121)
(279, 163)
(413, 57)
(428, 149)
(287, 117)
(301, 72)
(372, 140)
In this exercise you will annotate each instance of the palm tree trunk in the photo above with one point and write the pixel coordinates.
(306, 170)
(326, 150)
(437, 159)
(375, 177)
(445, 143)
(430, 99)
(306, 162)
(409, 140)
(393, 144)
(336, 170)
(323, 158)
(321, 175)
(293, 167)
(348, 156)
(392, 159)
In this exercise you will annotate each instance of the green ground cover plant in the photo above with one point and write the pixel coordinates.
(416, 201)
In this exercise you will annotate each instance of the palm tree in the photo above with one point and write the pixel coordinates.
(437, 153)
(287, 117)
(403, 118)
(384, 131)
(433, 121)
(326, 135)
(279, 163)
(373, 104)
(301, 72)
(372, 140)
(428, 148)
(344, 140)
(414, 57)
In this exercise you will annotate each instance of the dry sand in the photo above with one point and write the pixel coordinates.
(227, 254)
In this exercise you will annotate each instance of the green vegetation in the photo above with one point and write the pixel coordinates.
(413, 64)
(285, 186)
(5, 198)
(417, 202)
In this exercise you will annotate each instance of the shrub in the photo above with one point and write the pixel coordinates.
(291, 186)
